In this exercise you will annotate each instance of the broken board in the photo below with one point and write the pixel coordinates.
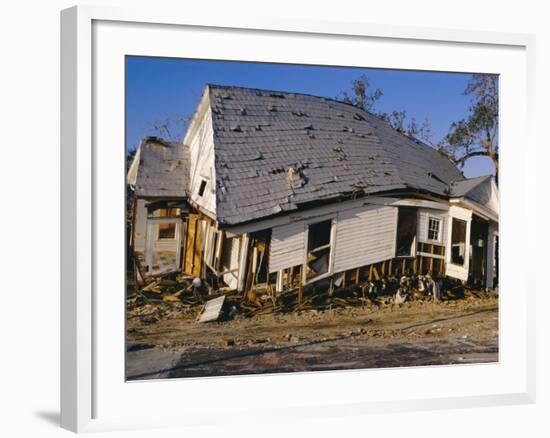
(212, 309)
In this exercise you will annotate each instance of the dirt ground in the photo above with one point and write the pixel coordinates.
(165, 341)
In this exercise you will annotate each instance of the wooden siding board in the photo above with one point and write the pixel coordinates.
(287, 246)
(363, 236)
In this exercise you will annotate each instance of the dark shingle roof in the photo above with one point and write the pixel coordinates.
(163, 169)
(275, 151)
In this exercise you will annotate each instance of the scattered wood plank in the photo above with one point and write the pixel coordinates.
(212, 309)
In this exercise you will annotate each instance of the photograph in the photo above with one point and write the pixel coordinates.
(301, 218)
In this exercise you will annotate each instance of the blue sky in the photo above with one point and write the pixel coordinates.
(162, 88)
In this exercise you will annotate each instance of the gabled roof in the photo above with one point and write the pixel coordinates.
(482, 190)
(160, 169)
(277, 151)
(463, 187)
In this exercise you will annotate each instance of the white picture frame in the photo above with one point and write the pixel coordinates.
(91, 390)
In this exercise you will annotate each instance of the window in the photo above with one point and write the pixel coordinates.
(167, 231)
(458, 241)
(434, 228)
(406, 232)
(318, 249)
(202, 187)
(166, 212)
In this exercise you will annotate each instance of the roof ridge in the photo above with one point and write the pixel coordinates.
(299, 93)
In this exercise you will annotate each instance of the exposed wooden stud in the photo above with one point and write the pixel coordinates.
(300, 286)
(279, 286)
(357, 276)
(290, 277)
(375, 272)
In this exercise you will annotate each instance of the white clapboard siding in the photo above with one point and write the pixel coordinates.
(364, 235)
(201, 151)
(422, 225)
(287, 246)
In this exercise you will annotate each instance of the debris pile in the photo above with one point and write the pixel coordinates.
(173, 296)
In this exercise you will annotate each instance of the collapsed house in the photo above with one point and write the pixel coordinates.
(290, 190)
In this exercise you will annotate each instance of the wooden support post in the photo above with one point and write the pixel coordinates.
(300, 286)
(370, 272)
(431, 259)
(243, 263)
(279, 286)
(375, 272)
(414, 265)
(383, 268)
(357, 276)
(344, 279)
(420, 265)
(290, 277)
(390, 266)
(403, 266)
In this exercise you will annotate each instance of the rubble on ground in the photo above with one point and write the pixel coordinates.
(176, 295)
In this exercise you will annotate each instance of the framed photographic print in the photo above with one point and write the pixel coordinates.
(257, 209)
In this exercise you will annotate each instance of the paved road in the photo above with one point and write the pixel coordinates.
(354, 351)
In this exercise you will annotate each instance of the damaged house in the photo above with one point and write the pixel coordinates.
(290, 190)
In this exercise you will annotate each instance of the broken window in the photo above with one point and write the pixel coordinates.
(227, 248)
(167, 231)
(260, 244)
(458, 241)
(406, 232)
(434, 228)
(318, 249)
(202, 187)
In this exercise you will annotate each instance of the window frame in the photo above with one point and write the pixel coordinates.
(414, 246)
(451, 245)
(331, 245)
(439, 222)
(202, 187)
(174, 224)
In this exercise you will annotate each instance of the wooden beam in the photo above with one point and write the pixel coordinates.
(300, 285)
(434, 256)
